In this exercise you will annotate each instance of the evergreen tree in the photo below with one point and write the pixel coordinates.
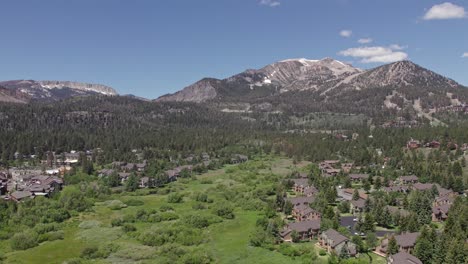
(392, 247)
(356, 195)
(132, 183)
(425, 247)
(377, 183)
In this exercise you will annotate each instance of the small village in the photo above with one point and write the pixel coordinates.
(352, 190)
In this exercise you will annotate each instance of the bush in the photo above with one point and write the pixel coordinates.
(165, 208)
(169, 216)
(129, 228)
(24, 240)
(51, 236)
(201, 197)
(117, 222)
(288, 250)
(322, 252)
(206, 181)
(89, 224)
(134, 202)
(174, 198)
(200, 221)
(115, 205)
(198, 206)
(90, 252)
(224, 210)
(45, 228)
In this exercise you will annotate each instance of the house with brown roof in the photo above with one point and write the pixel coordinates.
(410, 179)
(346, 167)
(19, 196)
(403, 258)
(310, 191)
(358, 177)
(307, 230)
(446, 199)
(413, 144)
(405, 241)
(357, 206)
(397, 188)
(440, 212)
(347, 194)
(304, 212)
(333, 241)
(301, 200)
(300, 185)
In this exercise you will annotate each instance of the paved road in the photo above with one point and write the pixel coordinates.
(347, 221)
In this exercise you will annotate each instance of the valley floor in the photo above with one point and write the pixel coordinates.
(225, 242)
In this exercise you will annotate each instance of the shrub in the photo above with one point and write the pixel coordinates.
(89, 224)
(198, 206)
(73, 261)
(24, 240)
(206, 181)
(174, 198)
(45, 228)
(115, 205)
(200, 221)
(288, 250)
(169, 216)
(153, 238)
(165, 208)
(89, 252)
(322, 252)
(201, 197)
(128, 228)
(134, 202)
(198, 257)
(51, 236)
(117, 222)
(224, 210)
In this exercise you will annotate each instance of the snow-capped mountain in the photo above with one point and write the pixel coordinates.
(323, 78)
(26, 90)
(279, 77)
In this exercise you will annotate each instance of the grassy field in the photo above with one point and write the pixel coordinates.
(226, 242)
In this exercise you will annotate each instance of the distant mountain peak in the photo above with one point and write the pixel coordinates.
(326, 77)
(55, 90)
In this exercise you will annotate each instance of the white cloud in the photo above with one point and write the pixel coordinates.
(396, 47)
(365, 40)
(346, 33)
(465, 55)
(270, 3)
(445, 11)
(376, 54)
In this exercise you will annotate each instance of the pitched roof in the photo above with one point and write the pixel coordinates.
(405, 258)
(441, 209)
(304, 225)
(335, 236)
(301, 200)
(358, 176)
(407, 239)
(360, 203)
(18, 195)
(409, 178)
(301, 182)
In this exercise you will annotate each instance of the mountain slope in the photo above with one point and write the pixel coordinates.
(273, 79)
(26, 90)
(297, 87)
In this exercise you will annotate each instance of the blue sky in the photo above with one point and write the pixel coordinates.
(152, 47)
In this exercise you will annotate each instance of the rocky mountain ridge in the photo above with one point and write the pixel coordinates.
(27, 90)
